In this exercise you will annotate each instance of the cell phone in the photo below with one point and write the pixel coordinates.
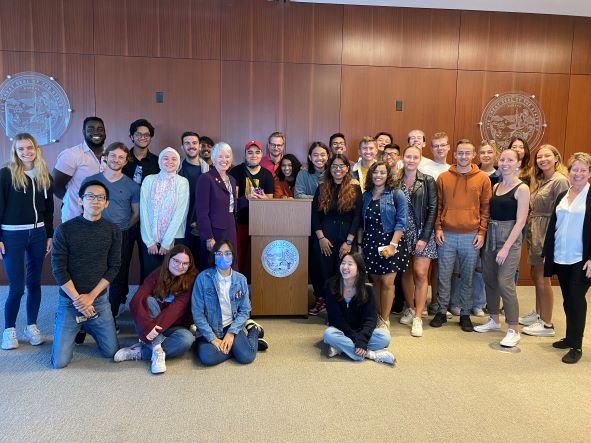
(381, 250)
(83, 318)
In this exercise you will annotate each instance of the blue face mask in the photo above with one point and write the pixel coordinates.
(223, 262)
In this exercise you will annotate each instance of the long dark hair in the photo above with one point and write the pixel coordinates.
(336, 284)
(369, 178)
(295, 167)
(168, 283)
(526, 151)
(311, 169)
(347, 196)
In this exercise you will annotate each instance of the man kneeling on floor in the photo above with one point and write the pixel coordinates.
(85, 258)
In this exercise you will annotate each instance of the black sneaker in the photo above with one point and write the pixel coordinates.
(80, 337)
(572, 356)
(263, 345)
(466, 323)
(561, 344)
(438, 320)
(250, 323)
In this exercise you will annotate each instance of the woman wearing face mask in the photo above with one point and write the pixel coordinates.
(286, 176)
(221, 311)
(307, 181)
(164, 203)
(161, 312)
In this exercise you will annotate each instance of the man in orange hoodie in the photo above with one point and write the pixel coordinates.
(464, 194)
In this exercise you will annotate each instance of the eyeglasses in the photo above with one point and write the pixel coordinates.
(338, 144)
(442, 145)
(274, 145)
(180, 264)
(142, 135)
(223, 254)
(92, 197)
(390, 154)
(338, 167)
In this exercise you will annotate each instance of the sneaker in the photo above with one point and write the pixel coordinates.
(539, 329)
(466, 323)
(432, 308)
(331, 352)
(455, 311)
(511, 339)
(561, 344)
(572, 356)
(193, 328)
(318, 308)
(384, 356)
(158, 362)
(80, 337)
(9, 340)
(489, 326)
(529, 318)
(425, 313)
(33, 334)
(250, 323)
(134, 352)
(449, 315)
(478, 312)
(417, 327)
(262, 345)
(407, 316)
(438, 320)
(383, 324)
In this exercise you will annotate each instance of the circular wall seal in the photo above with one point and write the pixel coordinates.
(34, 103)
(513, 114)
(280, 258)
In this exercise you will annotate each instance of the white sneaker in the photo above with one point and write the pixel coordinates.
(331, 352)
(455, 311)
(33, 334)
(449, 315)
(478, 312)
(9, 340)
(158, 362)
(529, 318)
(132, 353)
(407, 316)
(384, 356)
(511, 339)
(383, 324)
(489, 326)
(417, 327)
(425, 313)
(539, 329)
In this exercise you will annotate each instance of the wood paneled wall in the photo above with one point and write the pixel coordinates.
(238, 69)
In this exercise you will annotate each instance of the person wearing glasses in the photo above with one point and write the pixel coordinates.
(26, 216)
(440, 150)
(161, 312)
(338, 144)
(275, 152)
(391, 155)
(336, 214)
(85, 259)
(221, 309)
(164, 203)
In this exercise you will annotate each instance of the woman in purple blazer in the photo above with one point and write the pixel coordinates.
(216, 203)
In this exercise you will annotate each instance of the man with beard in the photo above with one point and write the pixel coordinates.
(141, 163)
(74, 164)
(275, 151)
(205, 147)
(191, 170)
(123, 210)
(254, 182)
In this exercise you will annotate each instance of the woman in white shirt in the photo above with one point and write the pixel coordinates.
(567, 252)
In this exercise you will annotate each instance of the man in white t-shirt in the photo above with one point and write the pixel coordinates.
(440, 149)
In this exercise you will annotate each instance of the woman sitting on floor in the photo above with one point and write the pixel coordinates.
(352, 315)
(161, 311)
(221, 310)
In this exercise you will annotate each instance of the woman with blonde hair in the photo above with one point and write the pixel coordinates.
(548, 180)
(26, 216)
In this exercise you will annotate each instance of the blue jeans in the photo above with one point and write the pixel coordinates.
(102, 329)
(175, 341)
(460, 247)
(244, 349)
(380, 339)
(29, 244)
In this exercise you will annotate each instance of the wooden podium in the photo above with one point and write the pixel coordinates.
(279, 219)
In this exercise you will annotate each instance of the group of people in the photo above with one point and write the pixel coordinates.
(380, 212)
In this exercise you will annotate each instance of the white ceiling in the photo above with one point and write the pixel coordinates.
(556, 7)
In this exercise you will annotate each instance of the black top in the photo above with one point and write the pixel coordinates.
(138, 170)
(191, 173)
(352, 217)
(504, 207)
(262, 180)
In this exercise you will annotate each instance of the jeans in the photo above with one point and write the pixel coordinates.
(574, 287)
(102, 329)
(380, 339)
(244, 349)
(175, 341)
(458, 246)
(119, 288)
(29, 245)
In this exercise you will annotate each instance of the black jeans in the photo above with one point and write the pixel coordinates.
(120, 286)
(574, 286)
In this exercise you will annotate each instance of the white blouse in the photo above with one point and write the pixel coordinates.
(224, 297)
(568, 247)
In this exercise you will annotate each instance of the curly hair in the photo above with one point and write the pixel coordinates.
(168, 283)
(369, 178)
(347, 195)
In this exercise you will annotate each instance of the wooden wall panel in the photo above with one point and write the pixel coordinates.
(425, 38)
(498, 41)
(368, 96)
(206, 31)
(577, 135)
(126, 87)
(581, 63)
(476, 88)
(46, 26)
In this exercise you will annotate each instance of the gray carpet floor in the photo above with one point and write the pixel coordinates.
(447, 386)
